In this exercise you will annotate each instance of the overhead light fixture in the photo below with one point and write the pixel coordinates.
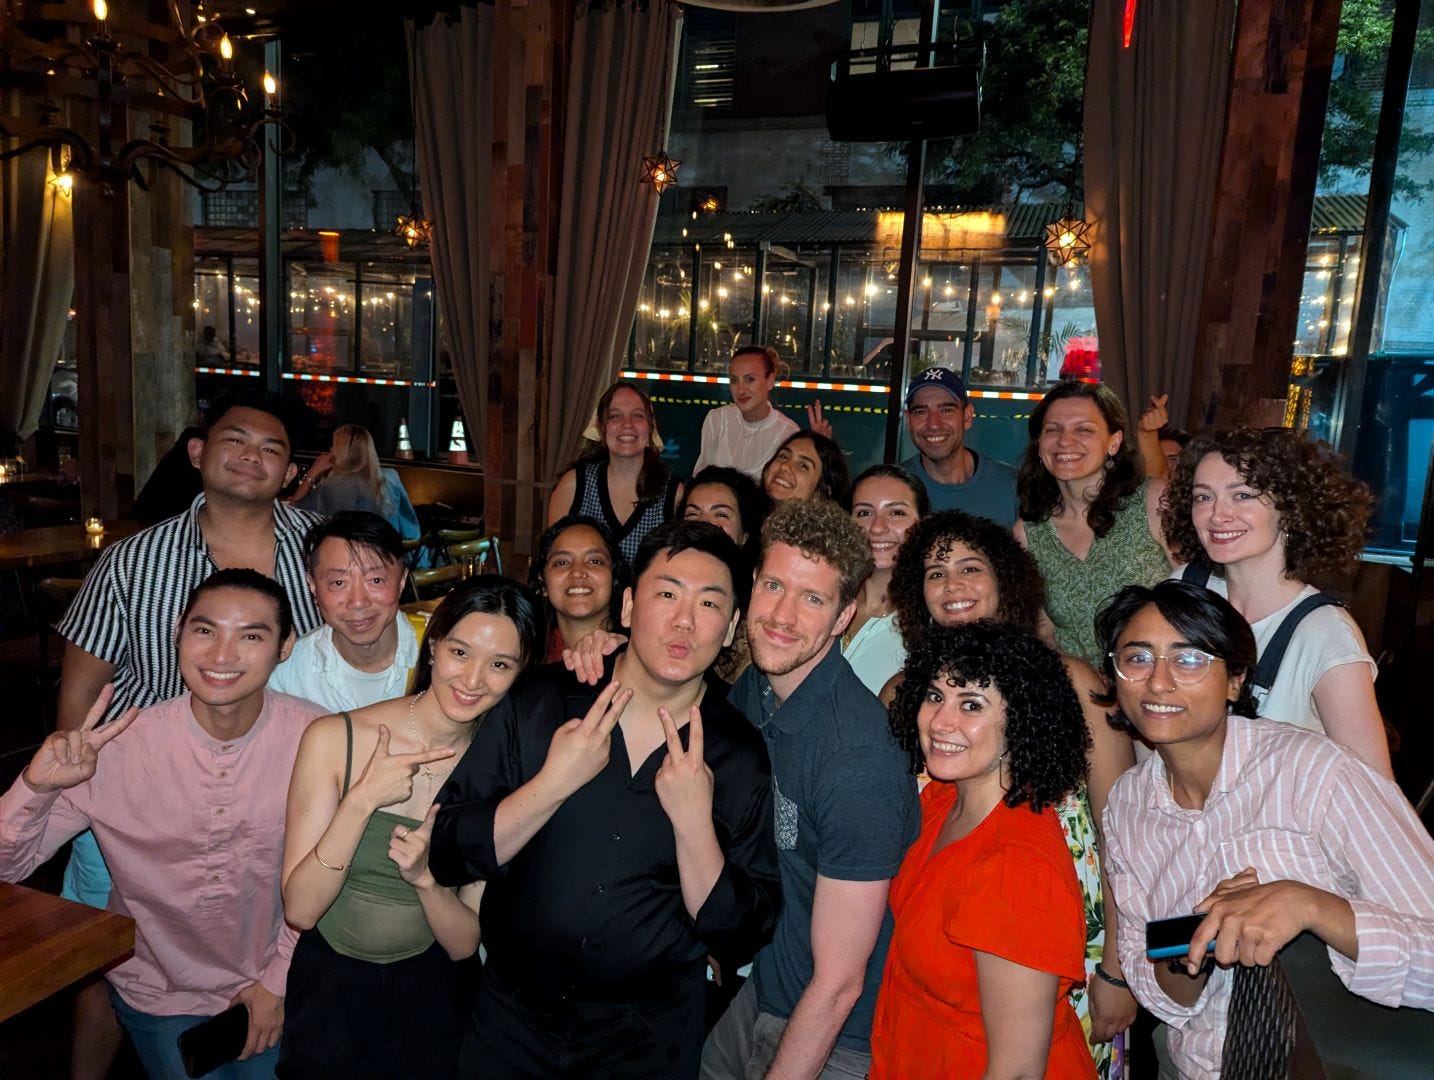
(1068, 239)
(413, 229)
(660, 171)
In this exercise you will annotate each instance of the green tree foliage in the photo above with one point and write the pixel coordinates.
(1365, 28)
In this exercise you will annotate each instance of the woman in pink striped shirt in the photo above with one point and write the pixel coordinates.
(1267, 829)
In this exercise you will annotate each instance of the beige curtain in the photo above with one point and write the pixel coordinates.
(1154, 123)
(619, 89)
(451, 68)
(38, 283)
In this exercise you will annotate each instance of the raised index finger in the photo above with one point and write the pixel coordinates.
(694, 732)
(609, 719)
(669, 729)
(97, 710)
(424, 757)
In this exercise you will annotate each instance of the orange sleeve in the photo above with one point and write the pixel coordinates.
(1020, 902)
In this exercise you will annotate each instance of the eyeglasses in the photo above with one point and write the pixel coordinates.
(1187, 665)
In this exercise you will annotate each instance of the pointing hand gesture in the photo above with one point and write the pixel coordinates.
(69, 758)
(684, 782)
(409, 850)
(580, 748)
(388, 778)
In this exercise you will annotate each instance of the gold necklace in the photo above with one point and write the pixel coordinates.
(427, 771)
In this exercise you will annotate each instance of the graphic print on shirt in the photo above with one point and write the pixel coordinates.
(786, 820)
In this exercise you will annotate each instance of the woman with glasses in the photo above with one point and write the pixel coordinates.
(954, 570)
(989, 928)
(1265, 828)
(1258, 515)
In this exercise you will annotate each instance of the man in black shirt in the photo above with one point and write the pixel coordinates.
(619, 849)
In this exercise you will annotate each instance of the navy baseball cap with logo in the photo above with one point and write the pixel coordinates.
(945, 378)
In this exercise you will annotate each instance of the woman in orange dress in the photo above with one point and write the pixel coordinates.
(990, 927)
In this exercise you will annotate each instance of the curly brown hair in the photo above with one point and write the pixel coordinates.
(1037, 489)
(1324, 514)
(819, 529)
(1020, 589)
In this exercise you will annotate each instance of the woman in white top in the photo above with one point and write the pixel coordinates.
(745, 434)
(885, 502)
(1266, 512)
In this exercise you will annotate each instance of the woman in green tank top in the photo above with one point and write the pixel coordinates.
(1088, 515)
(356, 880)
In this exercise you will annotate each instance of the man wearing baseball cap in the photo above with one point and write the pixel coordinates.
(956, 477)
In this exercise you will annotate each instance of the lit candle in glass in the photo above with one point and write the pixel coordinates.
(271, 90)
(94, 526)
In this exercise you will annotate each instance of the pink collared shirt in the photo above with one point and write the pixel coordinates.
(193, 831)
(1295, 806)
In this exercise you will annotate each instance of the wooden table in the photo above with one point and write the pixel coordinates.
(47, 943)
(58, 544)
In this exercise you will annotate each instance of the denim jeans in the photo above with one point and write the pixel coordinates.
(156, 1041)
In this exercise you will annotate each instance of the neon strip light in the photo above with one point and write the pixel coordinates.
(360, 380)
(851, 388)
(226, 371)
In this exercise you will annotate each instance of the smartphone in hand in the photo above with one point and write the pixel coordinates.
(1165, 938)
(214, 1042)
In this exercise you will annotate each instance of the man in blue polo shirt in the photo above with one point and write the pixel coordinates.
(845, 809)
(956, 477)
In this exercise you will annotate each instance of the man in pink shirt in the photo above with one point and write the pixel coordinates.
(187, 802)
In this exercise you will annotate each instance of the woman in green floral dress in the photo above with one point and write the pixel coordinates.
(954, 568)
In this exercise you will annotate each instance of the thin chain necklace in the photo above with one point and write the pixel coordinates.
(428, 772)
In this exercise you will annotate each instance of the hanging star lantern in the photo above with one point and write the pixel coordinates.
(1068, 240)
(413, 229)
(660, 171)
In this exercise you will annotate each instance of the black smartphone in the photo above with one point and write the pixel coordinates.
(1171, 937)
(214, 1042)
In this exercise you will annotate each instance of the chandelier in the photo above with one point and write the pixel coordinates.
(104, 91)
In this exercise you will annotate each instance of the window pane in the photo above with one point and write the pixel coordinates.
(321, 306)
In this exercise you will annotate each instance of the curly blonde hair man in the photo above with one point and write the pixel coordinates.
(820, 529)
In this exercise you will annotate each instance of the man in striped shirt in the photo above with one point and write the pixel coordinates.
(120, 628)
(1267, 829)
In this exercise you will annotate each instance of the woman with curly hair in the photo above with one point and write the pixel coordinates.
(955, 570)
(885, 502)
(580, 572)
(1087, 514)
(990, 930)
(1258, 515)
(807, 464)
(619, 477)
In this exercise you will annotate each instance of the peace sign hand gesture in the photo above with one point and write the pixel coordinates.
(409, 850)
(580, 748)
(69, 758)
(684, 782)
(817, 422)
(388, 778)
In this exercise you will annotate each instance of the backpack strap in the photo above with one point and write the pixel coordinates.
(1196, 574)
(1269, 665)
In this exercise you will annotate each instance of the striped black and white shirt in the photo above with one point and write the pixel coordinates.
(125, 612)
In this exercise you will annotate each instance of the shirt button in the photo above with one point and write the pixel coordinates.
(213, 877)
(583, 943)
(600, 889)
(219, 810)
(227, 746)
(223, 772)
(617, 836)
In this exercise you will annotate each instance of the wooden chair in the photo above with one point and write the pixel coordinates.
(434, 581)
(443, 541)
(476, 553)
(413, 550)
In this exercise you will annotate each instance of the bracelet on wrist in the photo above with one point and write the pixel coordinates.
(327, 866)
(1107, 977)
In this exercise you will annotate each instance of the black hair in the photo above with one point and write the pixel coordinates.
(486, 594)
(753, 504)
(835, 480)
(676, 536)
(241, 577)
(617, 562)
(1045, 734)
(357, 528)
(1036, 488)
(919, 495)
(264, 401)
(1202, 618)
(1179, 436)
(1020, 588)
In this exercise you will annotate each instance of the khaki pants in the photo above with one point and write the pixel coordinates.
(744, 1042)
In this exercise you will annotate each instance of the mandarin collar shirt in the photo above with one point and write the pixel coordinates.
(127, 609)
(1295, 806)
(192, 829)
(591, 909)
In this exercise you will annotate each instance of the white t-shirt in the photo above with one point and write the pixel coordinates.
(877, 652)
(316, 672)
(1326, 638)
(730, 441)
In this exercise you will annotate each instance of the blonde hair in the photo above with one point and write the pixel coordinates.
(354, 455)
